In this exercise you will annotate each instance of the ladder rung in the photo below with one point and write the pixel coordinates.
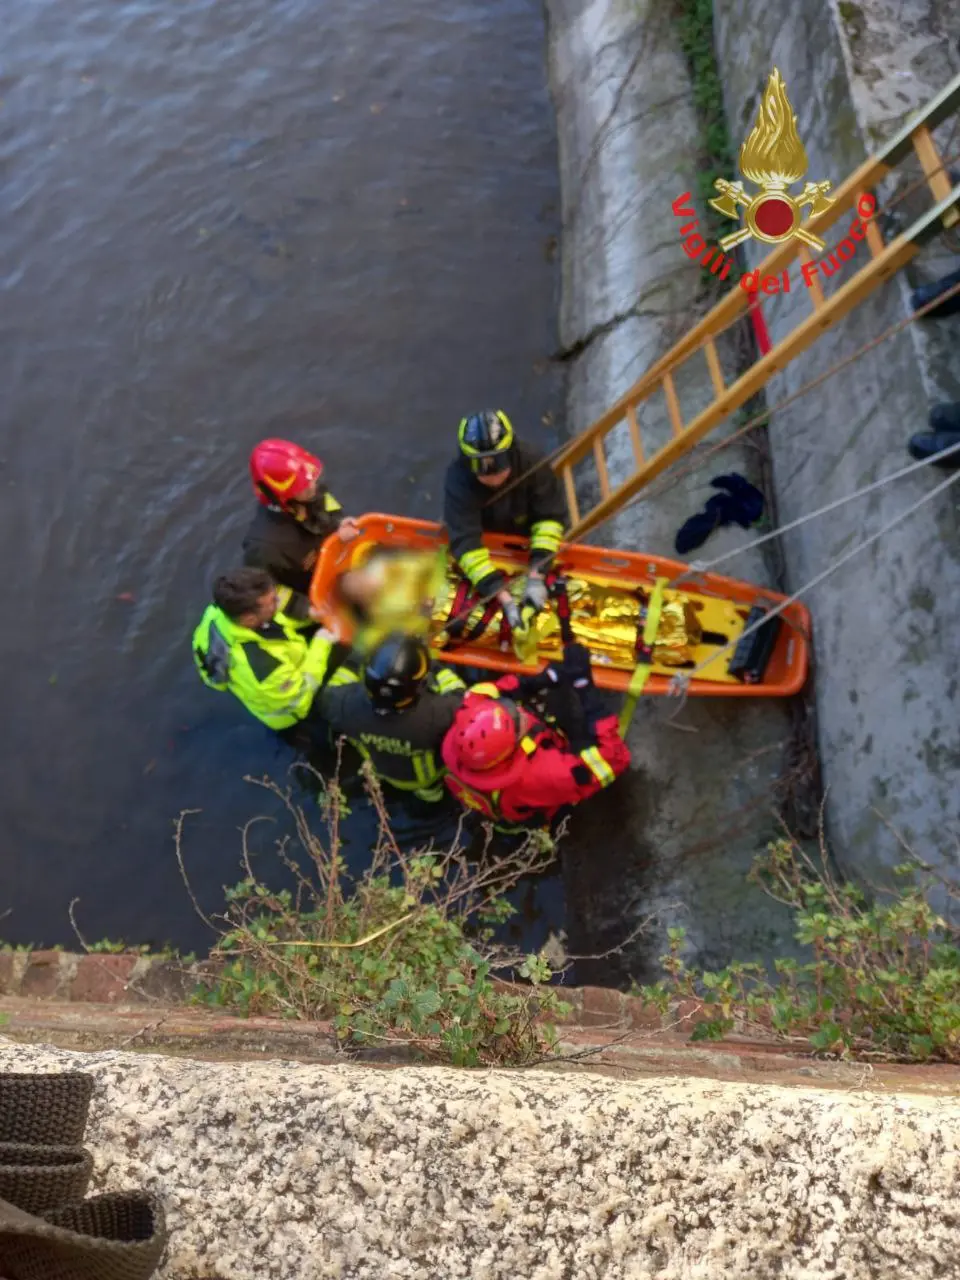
(815, 291)
(634, 427)
(713, 364)
(673, 405)
(601, 460)
(571, 491)
(938, 180)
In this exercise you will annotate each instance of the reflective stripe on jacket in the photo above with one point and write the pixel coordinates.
(533, 509)
(274, 671)
(553, 776)
(403, 746)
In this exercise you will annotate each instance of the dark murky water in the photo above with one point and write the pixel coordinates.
(219, 221)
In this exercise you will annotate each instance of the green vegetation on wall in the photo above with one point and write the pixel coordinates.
(883, 979)
(402, 955)
(695, 25)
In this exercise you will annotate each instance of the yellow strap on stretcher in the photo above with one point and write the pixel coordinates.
(642, 670)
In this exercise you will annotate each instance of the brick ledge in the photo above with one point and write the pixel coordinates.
(131, 978)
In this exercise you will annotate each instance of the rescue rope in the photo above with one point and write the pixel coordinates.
(360, 942)
(680, 684)
(705, 566)
(761, 419)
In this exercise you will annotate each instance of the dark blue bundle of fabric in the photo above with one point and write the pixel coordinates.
(740, 503)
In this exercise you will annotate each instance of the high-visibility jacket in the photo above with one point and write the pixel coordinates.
(403, 746)
(544, 776)
(274, 671)
(288, 550)
(533, 509)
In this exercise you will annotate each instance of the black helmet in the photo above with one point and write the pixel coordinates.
(395, 673)
(486, 439)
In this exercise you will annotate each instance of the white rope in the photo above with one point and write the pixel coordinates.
(679, 684)
(704, 566)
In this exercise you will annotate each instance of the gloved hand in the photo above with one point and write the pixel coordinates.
(535, 592)
(576, 665)
(511, 612)
(531, 686)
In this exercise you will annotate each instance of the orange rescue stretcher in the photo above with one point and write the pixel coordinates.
(605, 596)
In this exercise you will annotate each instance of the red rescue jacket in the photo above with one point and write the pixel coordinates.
(543, 776)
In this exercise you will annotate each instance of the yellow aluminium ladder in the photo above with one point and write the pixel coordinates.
(884, 260)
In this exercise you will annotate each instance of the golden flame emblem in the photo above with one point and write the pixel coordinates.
(773, 157)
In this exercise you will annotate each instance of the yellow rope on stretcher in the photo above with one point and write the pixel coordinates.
(642, 670)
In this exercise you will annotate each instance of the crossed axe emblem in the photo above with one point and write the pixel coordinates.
(732, 194)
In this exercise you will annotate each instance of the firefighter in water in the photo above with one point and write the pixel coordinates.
(490, 457)
(516, 770)
(396, 714)
(248, 645)
(297, 513)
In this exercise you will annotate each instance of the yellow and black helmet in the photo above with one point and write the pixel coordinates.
(486, 440)
(396, 672)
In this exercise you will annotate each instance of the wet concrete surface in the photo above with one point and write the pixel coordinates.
(219, 222)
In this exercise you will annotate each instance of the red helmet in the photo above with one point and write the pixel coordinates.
(485, 734)
(282, 470)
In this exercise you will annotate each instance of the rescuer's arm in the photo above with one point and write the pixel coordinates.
(548, 514)
(441, 680)
(602, 753)
(461, 515)
(335, 699)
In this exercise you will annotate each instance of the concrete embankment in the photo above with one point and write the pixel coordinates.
(701, 800)
(306, 1172)
(886, 625)
(700, 803)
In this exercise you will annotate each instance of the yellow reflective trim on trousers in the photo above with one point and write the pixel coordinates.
(641, 673)
(476, 564)
(598, 766)
(428, 774)
(546, 535)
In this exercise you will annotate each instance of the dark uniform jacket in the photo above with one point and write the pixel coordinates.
(284, 547)
(403, 746)
(470, 510)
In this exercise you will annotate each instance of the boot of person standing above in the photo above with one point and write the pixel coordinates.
(531, 506)
(940, 444)
(297, 513)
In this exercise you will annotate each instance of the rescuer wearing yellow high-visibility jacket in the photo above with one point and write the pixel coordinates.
(247, 645)
(490, 455)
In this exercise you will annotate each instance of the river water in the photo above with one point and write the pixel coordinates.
(221, 221)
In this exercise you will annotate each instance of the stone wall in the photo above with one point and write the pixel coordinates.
(701, 800)
(314, 1172)
(886, 625)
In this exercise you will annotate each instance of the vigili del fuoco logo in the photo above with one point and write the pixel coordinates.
(773, 159)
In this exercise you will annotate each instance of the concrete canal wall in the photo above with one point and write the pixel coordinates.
(702, 798)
